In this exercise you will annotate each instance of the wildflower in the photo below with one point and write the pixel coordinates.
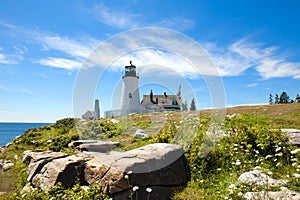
(126, 176)
(237, 162)
(283, 188)
(270, 173)
(201, 181)
(148, 190)
(279, 154)
(240, 194)
(295, 151)
(219, 169)
(235, 149)
(278, 164)
(296, 175)
(294, 159)
(275, 159)
(235, 145)
(294, 164)
(135, 188)
(256, 151)
(246, 150)
(268, 156)
(231, 186)
(277, 149)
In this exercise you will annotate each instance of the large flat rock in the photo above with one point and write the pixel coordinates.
(160, 166)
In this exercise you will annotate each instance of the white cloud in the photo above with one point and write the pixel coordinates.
(252, 85)
(66, 45)
(278, 67)
(75, 49)
(176, 23)
(121, 18)
(60, 63)
(243, 54)
(29, 92)
(7, 59)
(156, 48)
(115, 18)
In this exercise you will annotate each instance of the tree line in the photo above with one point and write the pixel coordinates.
(283, 99)
(192, 105)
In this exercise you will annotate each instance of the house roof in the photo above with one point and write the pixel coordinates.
(162, 100)
(88, 114)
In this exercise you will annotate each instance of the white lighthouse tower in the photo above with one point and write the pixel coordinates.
(130, 97)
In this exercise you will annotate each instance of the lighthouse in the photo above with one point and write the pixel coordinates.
(130, 96)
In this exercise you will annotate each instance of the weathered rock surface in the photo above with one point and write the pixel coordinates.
(256, 177)
(140, 134)
(94, 145)
(38, 160)
(5, 164)
(79, 142)
(101, 147)
(67, 170)
(265, 195)
(161, 167)
(294, 136)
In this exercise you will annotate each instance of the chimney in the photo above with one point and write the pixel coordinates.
(156, 101)
(165, 94)
(151, 97)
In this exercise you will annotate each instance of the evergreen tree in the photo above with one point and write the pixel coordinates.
(276, 99)
(271, 99)
(297, 99)
(193, 105)
(185, 106)
(284, 98)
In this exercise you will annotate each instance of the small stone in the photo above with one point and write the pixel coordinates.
(140, 134)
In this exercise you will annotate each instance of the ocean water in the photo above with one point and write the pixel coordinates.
(9, 130)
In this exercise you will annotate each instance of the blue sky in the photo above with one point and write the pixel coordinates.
(254, 45)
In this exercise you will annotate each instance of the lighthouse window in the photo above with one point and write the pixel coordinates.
(130, 96)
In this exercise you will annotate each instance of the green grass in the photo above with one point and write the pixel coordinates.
(251, 139)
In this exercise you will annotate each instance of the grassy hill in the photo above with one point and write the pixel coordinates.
(245, 131)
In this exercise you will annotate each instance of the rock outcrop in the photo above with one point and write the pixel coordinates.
(267, 195)
(5, 164)
(256, 177)
(140, 134)
(294, 136)
(159, 168)
(94, 145)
